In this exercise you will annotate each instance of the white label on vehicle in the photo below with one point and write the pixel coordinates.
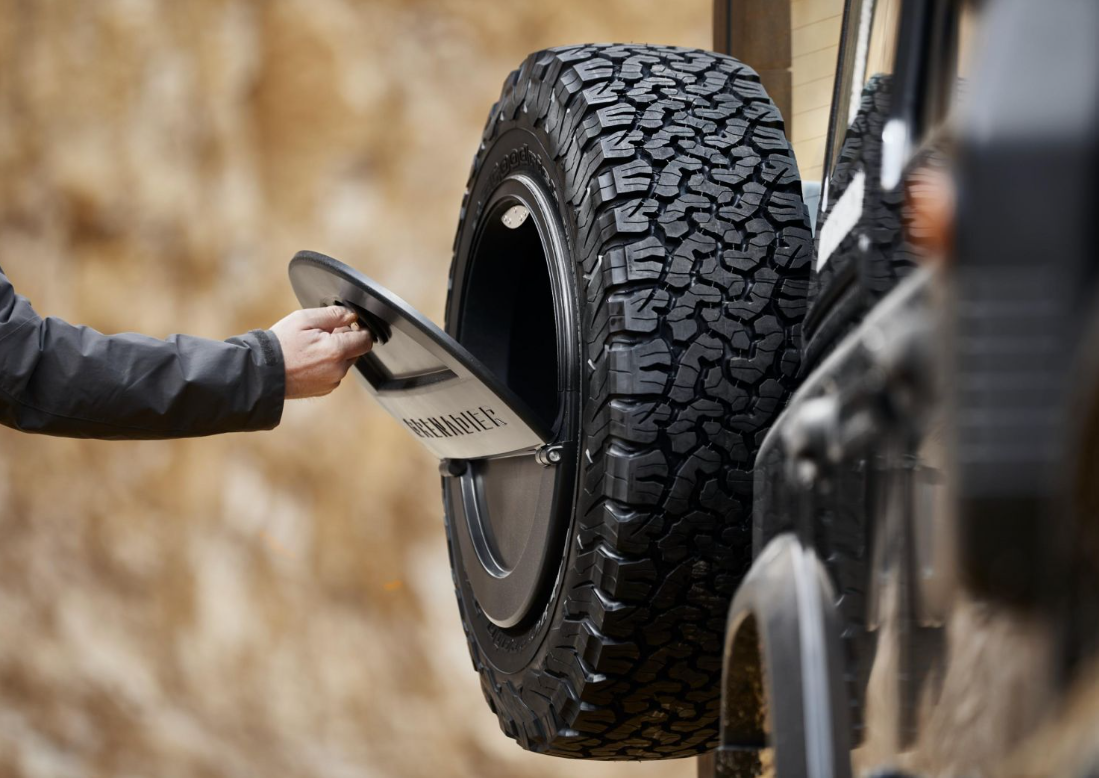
(843, 218)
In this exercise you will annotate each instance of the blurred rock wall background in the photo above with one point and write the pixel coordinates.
(276, 604)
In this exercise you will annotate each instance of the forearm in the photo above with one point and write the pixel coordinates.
(60, 379)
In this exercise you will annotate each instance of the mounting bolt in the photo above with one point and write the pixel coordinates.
(548, 455)
(452, 468)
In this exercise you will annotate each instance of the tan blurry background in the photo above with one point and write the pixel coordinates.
(276, 604)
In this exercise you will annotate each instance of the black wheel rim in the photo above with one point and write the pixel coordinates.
(517, 312)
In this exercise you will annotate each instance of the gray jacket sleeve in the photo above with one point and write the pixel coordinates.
(60, 379)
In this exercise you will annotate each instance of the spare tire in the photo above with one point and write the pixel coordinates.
(632, 260)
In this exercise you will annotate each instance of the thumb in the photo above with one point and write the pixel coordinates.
(328, 318)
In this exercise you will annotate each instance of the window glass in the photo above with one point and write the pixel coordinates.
(881, 50)
(928, 184)
(951, 75)
(869, 53)
(946, 71)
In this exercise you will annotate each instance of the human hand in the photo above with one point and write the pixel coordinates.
(319, 346)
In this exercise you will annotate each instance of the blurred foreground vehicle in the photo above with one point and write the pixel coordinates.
(870, 424)
(923, 595)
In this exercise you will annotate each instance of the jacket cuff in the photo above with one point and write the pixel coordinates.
(268, 411)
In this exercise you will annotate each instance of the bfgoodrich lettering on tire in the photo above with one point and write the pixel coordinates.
(632, 260)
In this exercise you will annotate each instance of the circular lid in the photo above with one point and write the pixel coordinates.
(421, 376)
